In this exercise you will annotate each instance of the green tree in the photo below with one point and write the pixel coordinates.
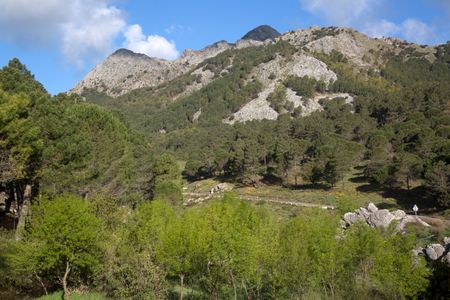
(20, 148)
(61, 243)
(438, 181)
(164, 168)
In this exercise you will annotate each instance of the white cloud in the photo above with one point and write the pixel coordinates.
(411, 29)
(84, 30)
(92, 35)
(24, 22)
(152, 45)
(365, 15)
(381, 29)
(340, 12)
(418, 32)
(178, 29)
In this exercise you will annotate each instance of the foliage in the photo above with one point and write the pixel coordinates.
(61, 241)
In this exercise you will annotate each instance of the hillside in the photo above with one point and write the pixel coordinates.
(141, 84)
(307, 103)
(286, 168)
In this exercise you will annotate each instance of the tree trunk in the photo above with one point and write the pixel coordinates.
(64, 281)
(214, 294)
(23, 212)
(41, 283)
(181, 286)
(234, 285)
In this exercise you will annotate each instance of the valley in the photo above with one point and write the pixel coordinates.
(279, 166)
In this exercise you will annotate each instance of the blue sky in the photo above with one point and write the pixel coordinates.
(60, 40)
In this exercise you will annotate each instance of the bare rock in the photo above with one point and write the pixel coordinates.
(446, 240)
(221, 187)
(380, 218)
(363, 212)
(351, 218)
(399, 214)
(125, 70)
(196, 115)
(372, 208)
(256, 109)
(434, 251)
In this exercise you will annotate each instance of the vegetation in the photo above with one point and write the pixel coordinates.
(98, 193)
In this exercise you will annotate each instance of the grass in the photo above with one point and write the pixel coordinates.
(320, 194)
(75, 296)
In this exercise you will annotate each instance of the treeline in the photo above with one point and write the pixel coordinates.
(397, 127)
(222, 250)
(53, 145)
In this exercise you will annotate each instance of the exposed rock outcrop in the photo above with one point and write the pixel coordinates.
(256, 109)
(375, 217)
(435, 251)
(124, 70)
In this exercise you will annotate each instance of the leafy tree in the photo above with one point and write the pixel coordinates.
(169, 190)
(20, 147)
(61, 244)
(438, 181)
(277, 99)
(164, 168)
(192, 168)
(128, 271)
(15, 78)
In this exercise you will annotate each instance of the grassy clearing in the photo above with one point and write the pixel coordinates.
(349, 187)
(75, 296)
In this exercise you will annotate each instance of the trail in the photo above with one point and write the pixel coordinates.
(197, 198)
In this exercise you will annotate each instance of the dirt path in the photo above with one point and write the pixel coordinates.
(196, 198)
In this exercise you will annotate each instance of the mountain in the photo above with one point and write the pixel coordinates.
(261, 33)
(124, 70)
(145, 84)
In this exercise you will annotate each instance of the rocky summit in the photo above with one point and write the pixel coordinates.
(301, 55)
(261, 33)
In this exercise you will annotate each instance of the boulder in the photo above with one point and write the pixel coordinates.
(351, 218)
(399, 214)
(434, 251)
(446, 240)
(221, 187)
(372, 208)
(363, 212)
(380, 218)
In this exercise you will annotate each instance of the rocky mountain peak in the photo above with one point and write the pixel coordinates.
(261, 33)
(124, 52)
(128, 54)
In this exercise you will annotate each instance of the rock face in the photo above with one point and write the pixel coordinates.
(436, 252)
(124, 70)
(256, 109)
(376, 218)
(261, 33)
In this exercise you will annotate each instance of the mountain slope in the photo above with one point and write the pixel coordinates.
(124, 70)
(236, 83)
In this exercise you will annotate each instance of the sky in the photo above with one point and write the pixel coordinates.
(60, 41)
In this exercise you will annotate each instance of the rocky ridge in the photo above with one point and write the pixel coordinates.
(124, 70)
